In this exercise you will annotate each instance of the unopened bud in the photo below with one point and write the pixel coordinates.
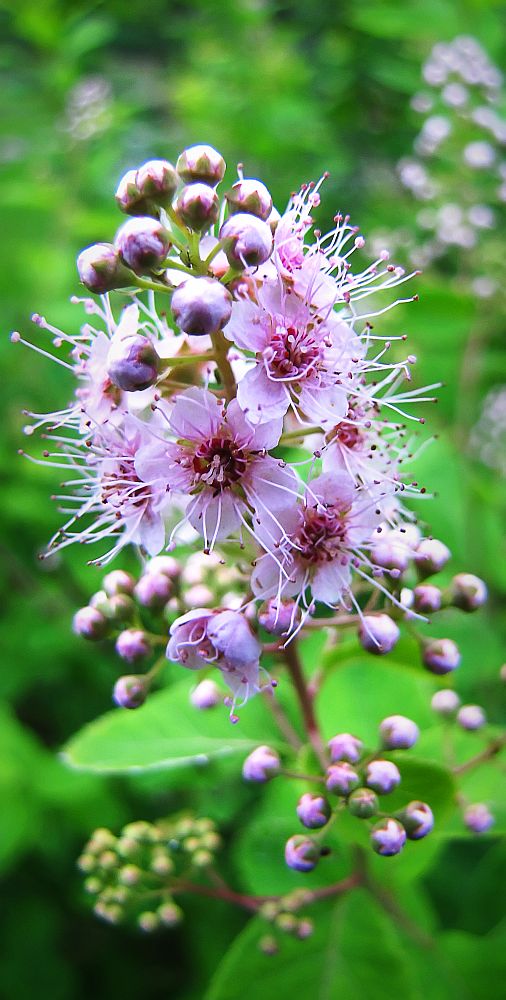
(199, 596)
(417, 819)
(391, 550)
(388, 837)
(313, 811)
(273, 219)
(276, 616)
(201, 306)
(198, 206)
(301, 853)
(132, 363)
(344, 746)
(118, 582)
(129, 875)
(441, 656)
(156, 182)
(132, 645)
(478, 818)
(201, 163)
(130, 691)
(90, 624)
(261, 765)
(305, 928)
(398, 733)
(471, 717)
(250, 196)
(378, 634)
(143, 243)
(206, 695)
(286, 922)
(468, 592)
(427, 598)
(154, 590)
(382, 776)
(101, 269)
(430, 557)
(341, 778)
(445, 702)
(268, 945)
(128, 196)
(363, 803)
(121, 609)
(248, 240)
(169, 914)
(148, 922)
(164, 564)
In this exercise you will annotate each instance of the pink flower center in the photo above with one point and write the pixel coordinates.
(322, 535)
(348, 435)
(122, 488)
(292, 353)
(219, 463)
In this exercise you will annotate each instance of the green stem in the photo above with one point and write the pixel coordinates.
(303, 432)
(221, 347)
(154, 286)
(494, 747)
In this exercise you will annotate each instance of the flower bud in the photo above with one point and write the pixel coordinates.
(261, 765)
(363, 803)
(445, 702)
(430, 557)
(344, 746)
(164, 564)
(276, 616)
(398, 733)
(378, 634)
(471, 717)
(90, 623)
(132, 645)
(305, 929)
(341, 778)
(301, 853)
(468, 592)
(206, 695)
(156, 182)
(154, 590)
(148, 922)
(102, 603)
(121, 609)
(132, 363)
(130, 691)
(169, 914)
(143, 243)
(129, 875)
(198, 206)
(391, 550)
(417, 819)
(201, 306)
(441, 656)
(273, 219)
(201, 163)
(128, 196)
(199, 596)
(427, 598)
(248, 240)
(388, 838)
(478, 818)
(250, 196)
(382, 776)
(118, 582)
(101, 270)
(313, 811)
(268, 945)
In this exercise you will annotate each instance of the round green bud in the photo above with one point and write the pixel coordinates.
(363, 803)
(148, 922)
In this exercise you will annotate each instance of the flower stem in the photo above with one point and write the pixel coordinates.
(306, 702)
(221, 346)
(488, 753)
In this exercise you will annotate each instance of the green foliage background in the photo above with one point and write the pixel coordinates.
(291, 89)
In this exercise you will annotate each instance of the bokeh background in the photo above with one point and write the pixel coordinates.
(88, 90)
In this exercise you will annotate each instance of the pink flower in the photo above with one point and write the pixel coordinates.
(220, 463)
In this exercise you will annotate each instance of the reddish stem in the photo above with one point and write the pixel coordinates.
(305, 701)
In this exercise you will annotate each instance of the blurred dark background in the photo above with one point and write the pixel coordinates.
(88, 90)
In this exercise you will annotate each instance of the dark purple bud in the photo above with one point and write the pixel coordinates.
(201, 306)
(132, 645)
(164, 564)
(201, 163)
(417, 819)
(130, 691)
(250, 196)
(363, 803)
(198, 206)
(478, 818)
(445, 702)
(206, 695)
(90, 623)
(398, 733)
(471, 717)
(101, 269)
(261, 765)
(430, 557)
(427, 598)
(118, 582)
(468, 592)
(378, 634)
(441, 656)
(276, 616)
(344, 746)
(143, 244)
(313, 811)
(157, 181)
(132, 363)
(388, 838)
(382, 776)
(248, 240)
(301, 853)
(154, 590)
(341, 778)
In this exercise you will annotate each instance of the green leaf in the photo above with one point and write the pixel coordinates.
(165, 733)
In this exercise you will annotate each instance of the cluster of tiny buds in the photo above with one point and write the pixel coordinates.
(357, 779)
(134, 877)
(283, 916)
